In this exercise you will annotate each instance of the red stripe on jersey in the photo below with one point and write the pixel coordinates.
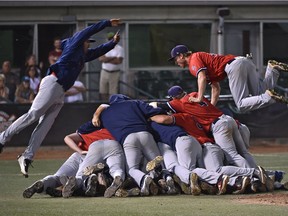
(192, 127)
(205, 113)
(213, 64)
(95, 136)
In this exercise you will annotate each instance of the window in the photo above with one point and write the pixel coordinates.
(16, 42)
(46, 35)
(275, 43)
(150, 44)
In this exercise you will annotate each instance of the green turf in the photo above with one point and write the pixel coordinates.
(12, 185)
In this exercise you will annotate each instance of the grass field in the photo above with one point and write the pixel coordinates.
(12, 185)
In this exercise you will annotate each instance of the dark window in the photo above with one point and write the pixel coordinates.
(150, 44)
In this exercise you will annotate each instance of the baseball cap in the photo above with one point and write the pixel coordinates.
(178, 50)
(25, 79)
(175, 91)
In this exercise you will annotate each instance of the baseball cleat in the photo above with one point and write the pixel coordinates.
(69, 187)
(278, 65)
(93, 169)
(146, 185)
(208, 188)
(276, 96)
(37, 187)
(194, 186)
(163, 186)
(153, 188)
(127, 193)
(171, 189)
(243, 185)
(184, 187)
(24, 165)
(222, 184)
(151, 165)
(63, 179)
(269, 184)
(91, 185)
(263, 176)
(110, 191)
(53, 192)
(285, 185)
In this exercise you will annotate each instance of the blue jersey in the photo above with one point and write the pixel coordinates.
(167, 133)
(72, 60)
(125, 116)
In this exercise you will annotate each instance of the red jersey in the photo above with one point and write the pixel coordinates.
(94, 136)
(204, 112)
(192, 127)
(213, 64)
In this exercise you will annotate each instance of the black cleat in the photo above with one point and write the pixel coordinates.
(37, 187)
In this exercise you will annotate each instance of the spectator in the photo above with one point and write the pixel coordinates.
(56, 52)
(31, 61)
(4, 91)
(23, 92)
(34, 78)
(75, 93)
(110, 72)
(11, 79)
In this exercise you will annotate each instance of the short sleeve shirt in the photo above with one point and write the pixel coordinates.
(213, 64)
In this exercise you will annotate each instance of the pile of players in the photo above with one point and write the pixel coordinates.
(191, 148)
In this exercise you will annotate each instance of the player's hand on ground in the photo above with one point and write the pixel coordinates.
(115, 22)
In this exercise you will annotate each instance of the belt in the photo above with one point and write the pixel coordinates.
(111, 71)
(230, 61)
(216, 120)
(182, 135)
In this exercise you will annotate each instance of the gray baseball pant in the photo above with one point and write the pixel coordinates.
(214, 160)
(246, 86)
(172, 163)
(103, 151)
(136, 146)
(68, 168)
(223, 131)
(45, 107)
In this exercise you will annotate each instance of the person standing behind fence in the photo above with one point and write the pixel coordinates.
(110, 72)
(55, 54)
(11, 79)
(60, 77)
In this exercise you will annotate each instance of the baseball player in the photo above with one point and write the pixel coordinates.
(61, 76)
(248, 90)
(102, 148)
(126, 119)
(212, 154)
(183, 161)
(223, 127)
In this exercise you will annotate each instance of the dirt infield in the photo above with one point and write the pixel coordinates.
(62, 152)
(265, 199)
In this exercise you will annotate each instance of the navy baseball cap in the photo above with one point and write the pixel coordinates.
(178, 50)
(175, 91)
(25, 79)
